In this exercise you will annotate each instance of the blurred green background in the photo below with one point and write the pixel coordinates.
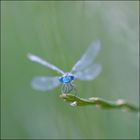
(60, 32)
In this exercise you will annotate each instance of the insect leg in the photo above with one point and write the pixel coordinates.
(67, 88)
(73, 89)
(64, 88)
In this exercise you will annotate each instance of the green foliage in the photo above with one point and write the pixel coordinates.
(60, 31)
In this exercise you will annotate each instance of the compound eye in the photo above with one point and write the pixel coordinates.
(61, 79)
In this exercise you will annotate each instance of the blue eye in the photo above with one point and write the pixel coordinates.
(66, 79)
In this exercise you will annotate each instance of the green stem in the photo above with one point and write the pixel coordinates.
(98, 102)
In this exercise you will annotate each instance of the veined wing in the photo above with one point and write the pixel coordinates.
(45, 83)
(88, 57)
(90, 73)
(43, 62)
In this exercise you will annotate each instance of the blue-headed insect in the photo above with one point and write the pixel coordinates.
(84, 69)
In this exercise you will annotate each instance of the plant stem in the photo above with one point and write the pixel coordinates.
(98, 102)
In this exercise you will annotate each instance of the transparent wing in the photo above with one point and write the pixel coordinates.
(43, 62)
(90, 73)
(88, 57)
(45, 83)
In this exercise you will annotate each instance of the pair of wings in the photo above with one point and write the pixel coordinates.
(84, 69)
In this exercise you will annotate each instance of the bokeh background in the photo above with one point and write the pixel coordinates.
(60, 32)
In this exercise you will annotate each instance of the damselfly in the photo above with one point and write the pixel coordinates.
(84, 69)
